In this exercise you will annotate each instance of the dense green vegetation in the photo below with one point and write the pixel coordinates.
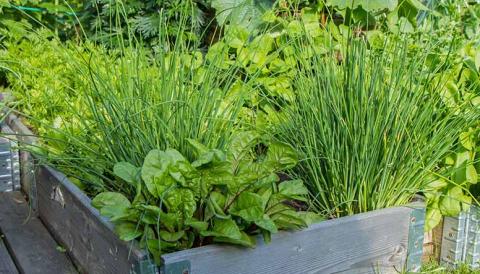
(192, 122)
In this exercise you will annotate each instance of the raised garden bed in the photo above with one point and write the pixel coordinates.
(382, 241)
(461, 239)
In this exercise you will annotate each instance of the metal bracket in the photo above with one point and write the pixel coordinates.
(461, 239)
(415, 239)
(9, 162)
(181, 267)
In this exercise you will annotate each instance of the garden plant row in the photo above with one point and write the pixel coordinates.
(310, 112)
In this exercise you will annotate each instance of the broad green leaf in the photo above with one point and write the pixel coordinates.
(281, 156)
(368, 5)
(417, 4)
(155, 172)
(241, 143)
(294, 28)
(226, 228)
(181, 200)
(127, 172)
(471, 174)
(198, 147)
(128, 231)
(288, 219)
(213, 156)
(236, 36)
(247, 13)
(180, 168)
(198, 225)
(215, 205)
(432, 218)
(437, 184)
(245, 240)
(450, 204)
(171, 236)
(248, 206)
(466, 140)
(111, 204)
(311, 217)
(293, 189)
(267, 224)
(376, 39)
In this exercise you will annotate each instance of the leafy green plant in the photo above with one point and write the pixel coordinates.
(452, 187)
(143, 19)
(19, 17)
(371, 128)
(221, 196)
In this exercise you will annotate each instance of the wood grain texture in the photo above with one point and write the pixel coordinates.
(88, 237)
(32, 247)
(6, 263)
(374, 242)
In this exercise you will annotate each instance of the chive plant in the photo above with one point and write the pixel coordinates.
(371, 126)
(138, 100)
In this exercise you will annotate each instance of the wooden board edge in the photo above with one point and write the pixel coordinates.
(323, 225)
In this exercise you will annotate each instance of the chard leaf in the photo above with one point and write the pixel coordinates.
(215, 205)
(155, 172)
(180, 168)
(111, 204)
(293, 189)
(288, 219)
(248, 206)
(198, 147)
(127, 231)
(245, 240)
(281, 156)
(171, 236)
(242, 143)
(225, 228)
(197, 225)
(310, 217)
(213, 156)
(127, 172)
(267, 224)
(181, 200)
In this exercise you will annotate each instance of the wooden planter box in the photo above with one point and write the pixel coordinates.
(383, 241)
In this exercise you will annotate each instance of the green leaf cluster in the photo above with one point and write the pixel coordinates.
(221, 196)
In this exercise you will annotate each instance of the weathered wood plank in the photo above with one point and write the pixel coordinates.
(88, 237)
(374, 242)
(6, 262)
(32, 247)
(24, 136)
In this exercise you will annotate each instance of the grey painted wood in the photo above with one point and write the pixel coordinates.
(32, 247)
(374, 242)
(25, 136)
(88, 237)
(6, 263)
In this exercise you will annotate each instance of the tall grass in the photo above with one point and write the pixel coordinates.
(371, 127)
